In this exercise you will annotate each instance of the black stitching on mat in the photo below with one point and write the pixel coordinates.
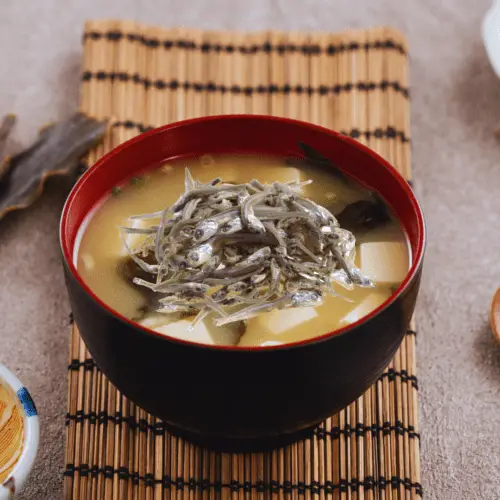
(131, 124)
(158, 428)
(378, 133)
(267, 47)
(247, 90)
(315, 487)
(403, 375)
(87, 364)
(360, 430)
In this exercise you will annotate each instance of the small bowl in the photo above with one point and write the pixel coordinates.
(17, 474)
(234, 397)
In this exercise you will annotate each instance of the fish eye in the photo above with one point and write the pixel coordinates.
(198, 233)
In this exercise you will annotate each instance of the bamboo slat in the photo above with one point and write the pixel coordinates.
(354, 82)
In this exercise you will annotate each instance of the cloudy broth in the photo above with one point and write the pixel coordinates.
(381, 253)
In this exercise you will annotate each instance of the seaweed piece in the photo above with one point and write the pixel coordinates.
(364, 215)
(357, 216)
(129, 270)
(6, 127)
(314, 158)
(57, 151)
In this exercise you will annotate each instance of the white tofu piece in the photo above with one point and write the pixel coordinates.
(134, 240)
(205, 332)
(384, 261)
(88, 261)
(271, 342)
(274, 326)
(278, 322)
(153, 320)
(366, 307)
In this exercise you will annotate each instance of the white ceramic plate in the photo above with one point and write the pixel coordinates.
(17, 477)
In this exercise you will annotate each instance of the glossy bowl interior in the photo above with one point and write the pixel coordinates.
(329, 371)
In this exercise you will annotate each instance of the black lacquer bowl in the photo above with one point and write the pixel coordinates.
(231, 397)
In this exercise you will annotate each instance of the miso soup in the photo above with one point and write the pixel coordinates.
(379, 252)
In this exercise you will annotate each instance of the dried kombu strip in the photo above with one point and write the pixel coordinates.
(57, 151)
(364, 215)
(6, 127)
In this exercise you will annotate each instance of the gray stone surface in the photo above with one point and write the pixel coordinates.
(455, 105)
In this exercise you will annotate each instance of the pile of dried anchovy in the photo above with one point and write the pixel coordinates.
(240, 250)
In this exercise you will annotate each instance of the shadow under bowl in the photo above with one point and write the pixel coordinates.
(230, 397)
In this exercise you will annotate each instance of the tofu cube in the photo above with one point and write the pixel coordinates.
(278, 322)
(370, 303)
(205, 332)
(88, 261)
(268, 327)
(133, 240)
(384, 261)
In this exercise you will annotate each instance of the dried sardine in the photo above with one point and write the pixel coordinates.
(139, 230)
(206, 270)
(352, 271)
(248, 216)
(199, 317)
(233, 226)
(205, 230)
(253, 247)
(148, 268)
(301, 298)
(199, 255)
(189, 182)
(57, 151)
(189, 208)
(204, 191)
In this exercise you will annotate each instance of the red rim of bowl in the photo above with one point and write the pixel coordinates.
(417, 259)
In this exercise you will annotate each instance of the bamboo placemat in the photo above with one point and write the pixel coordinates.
(354, 82)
